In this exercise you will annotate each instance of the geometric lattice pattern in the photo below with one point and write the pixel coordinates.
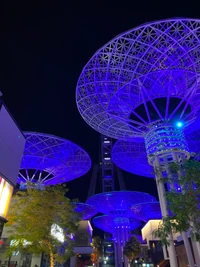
(109, 223)
(118, 203)
(192, 135)
(52, 160)
(150, 73)
(147, 211)
(85, 210)
(132, 156)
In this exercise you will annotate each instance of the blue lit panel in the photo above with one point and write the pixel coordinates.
(118, 203)
(110, 224)
(132, 157)
(147, 211)
(85, 210)
(52, 160)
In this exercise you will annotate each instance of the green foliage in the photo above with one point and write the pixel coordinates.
(31, 216)
(132, 248)
(183, 205)
(97, 246)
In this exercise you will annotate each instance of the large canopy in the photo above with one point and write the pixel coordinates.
(147, 74)
(147, 211)
(109, 223)
(50, 160)
(131, 156)
(86, 211)
(118, 203)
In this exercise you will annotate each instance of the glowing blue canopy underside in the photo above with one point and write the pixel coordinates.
(132, 157)
(86, 211)
(109, 223)
(118, 203)
(147, 211)
(147, 74)
(52, 159)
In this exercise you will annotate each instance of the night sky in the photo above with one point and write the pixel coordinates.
(44, 47)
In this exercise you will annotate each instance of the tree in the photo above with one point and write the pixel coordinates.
(97, 248)
(36, 217)
(183, 201)
(132, 248)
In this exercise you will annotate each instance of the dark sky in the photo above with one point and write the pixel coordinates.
(43, 48)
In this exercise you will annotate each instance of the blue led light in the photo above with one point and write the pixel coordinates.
(179, 124)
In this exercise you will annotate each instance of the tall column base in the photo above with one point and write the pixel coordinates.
(196, 253)
(188, 249)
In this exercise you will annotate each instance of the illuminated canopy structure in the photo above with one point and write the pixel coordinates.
(50, 160)
(118, 203)
(144, 83)
(132, 156)
(119, 218)
(86, 211)
(147, 211)
(115, 224)
(147, 74)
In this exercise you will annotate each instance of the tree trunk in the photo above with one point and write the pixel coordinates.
(51, 259)
(51, 255)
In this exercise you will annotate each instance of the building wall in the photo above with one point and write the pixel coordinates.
(83, 239)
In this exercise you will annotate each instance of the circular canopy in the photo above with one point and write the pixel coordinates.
(118, 203)
(147, 211)
(132, 157)
(149, 73)
(52, 160)
(86, 211)
(192, 135)
(109, 223)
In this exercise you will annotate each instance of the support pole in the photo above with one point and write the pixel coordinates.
(163, 204)
(196, 253)
(188, 249)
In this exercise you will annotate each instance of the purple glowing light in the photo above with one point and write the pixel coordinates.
(147, 74)
(110, 224)
(86, 211)
(52, 160)
(147, 211)
(192, 135)
(132, 156)
(118, 203)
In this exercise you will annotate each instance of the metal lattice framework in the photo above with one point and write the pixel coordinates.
(118, 203)
(132, 156)
(192, 135)
(147, 211)
(119, 217)
(145, 83)
(52, 160)
(86, 211)
(109, 223)
(147, 74)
